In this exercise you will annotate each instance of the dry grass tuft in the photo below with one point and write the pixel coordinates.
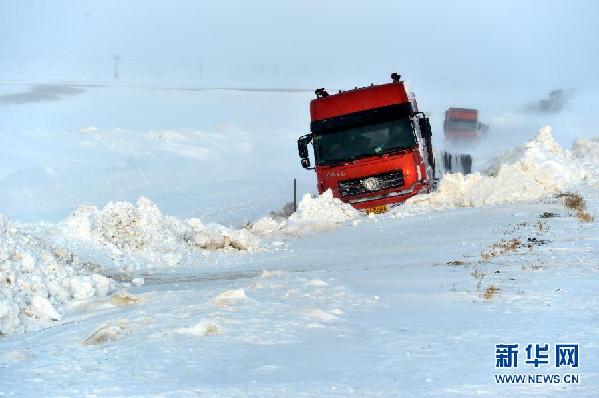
(212, 330)
(503, 247)
(487, 255)
(575, 201)
(490, 292)
(585, 217)
(479, 276)
(285, 212)
(506, 246)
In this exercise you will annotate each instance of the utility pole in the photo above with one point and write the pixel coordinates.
(294, 195)
(117, 60)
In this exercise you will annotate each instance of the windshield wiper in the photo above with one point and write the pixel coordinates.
(351, 159)
(340, 161)
(395, 150)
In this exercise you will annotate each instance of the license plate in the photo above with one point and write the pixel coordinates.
(376, 209)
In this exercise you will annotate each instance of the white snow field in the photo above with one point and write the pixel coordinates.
(139, 257)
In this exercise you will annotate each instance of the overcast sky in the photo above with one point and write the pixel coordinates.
(447, 44)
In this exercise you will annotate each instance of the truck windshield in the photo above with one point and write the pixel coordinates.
(461, 125)
(374, 139)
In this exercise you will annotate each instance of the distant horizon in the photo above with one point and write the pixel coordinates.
(466, 44)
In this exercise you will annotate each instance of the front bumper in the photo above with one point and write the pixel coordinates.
(387, 197)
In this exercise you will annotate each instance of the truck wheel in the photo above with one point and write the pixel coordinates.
(457, 162)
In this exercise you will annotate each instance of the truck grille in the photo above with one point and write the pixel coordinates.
(372, 183)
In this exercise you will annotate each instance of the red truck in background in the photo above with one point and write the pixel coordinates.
(372, 146)
(461, 126)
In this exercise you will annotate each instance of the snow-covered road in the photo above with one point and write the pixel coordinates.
(391, 307)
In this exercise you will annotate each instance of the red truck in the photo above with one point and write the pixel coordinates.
(372, 146)
(461, 126)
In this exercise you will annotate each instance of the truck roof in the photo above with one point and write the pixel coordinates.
(461, 113)
(359, 99)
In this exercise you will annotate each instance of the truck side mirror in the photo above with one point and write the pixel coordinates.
(302, 148)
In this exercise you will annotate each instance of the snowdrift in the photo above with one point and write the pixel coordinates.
(143, 228)
(313, 214)
(132, 237)
(587, 149)
(538, 169)
(39, 276)
(37, 280)
(587, 152)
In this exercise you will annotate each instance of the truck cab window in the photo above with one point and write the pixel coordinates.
(461, 125)
(374, 139)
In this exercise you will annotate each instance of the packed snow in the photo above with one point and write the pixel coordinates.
(38, 280)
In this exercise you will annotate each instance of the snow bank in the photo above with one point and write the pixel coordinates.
(587, 153)
(539, 168)
(323, 209)
(313, 214)
(36, 281)
(143, 229)
(587, 149)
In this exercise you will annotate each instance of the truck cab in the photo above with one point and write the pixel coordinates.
(461, 126)
(372, 146)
